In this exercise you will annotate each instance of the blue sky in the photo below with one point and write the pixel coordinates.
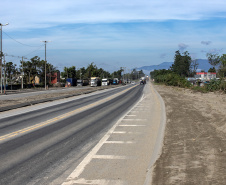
(112, 33)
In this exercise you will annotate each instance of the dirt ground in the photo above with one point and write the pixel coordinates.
(63, 94)
(194, 148)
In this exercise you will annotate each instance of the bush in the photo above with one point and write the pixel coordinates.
(216, 85)
(223, 85)
(172, 79)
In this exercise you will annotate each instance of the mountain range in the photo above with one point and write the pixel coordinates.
(203, 64)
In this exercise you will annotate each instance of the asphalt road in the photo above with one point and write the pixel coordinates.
(44, 146)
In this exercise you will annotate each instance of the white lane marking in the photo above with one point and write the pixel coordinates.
(134, 119)
(119, 132)
(122, 132)
(109, 157)
(142, 106)
(132, 125)
(119, 142)
(80, 168)
(99, 182)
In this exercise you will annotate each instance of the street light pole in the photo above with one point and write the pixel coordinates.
(1, 54)
(45, 61)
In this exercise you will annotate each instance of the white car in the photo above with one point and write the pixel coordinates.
(133, 82)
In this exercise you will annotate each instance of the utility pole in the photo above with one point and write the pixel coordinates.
(4, 80)
(1, 54)
(45, 61)
(22, 81)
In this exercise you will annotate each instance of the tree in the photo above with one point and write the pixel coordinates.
(91, 71)
(69, 72)
(214, 59)
(182, 64)
(117, 74)
(27, 69)
(11, 71)
(212, 70)
(222, 68)
(194, 66)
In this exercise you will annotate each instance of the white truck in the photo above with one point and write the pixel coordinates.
(95, 81)
(104, 82)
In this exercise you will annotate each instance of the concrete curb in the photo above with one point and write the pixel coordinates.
(158, 146)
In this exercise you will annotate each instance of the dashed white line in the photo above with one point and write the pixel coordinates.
(119, 142)
(98, 181)
(134, 119)
(119, 132)
(80, 168)
(122, 132)
(132, 125)
(109, 157)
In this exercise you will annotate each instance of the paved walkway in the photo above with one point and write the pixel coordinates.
(126, 154)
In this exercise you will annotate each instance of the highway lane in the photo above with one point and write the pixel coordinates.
(19, 121)
(43, 154)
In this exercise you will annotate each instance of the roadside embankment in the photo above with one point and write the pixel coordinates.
(194, 149)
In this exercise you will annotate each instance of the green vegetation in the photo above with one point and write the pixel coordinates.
(169, 78)
(184, 67)
(30, 69)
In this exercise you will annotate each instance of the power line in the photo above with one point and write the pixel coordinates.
(18, 41)
(34, 50)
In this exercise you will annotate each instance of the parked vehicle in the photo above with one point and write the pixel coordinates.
(95, 81)
(105, 82)
(115, 81)
(71, 82)
(82, 82)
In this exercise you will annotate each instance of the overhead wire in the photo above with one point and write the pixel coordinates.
(18, 41)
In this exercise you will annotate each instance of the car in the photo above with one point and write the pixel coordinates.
(133, 82)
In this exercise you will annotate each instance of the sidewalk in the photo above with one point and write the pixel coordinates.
(125, 155)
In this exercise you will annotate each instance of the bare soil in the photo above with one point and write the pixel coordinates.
(48, 96)
(194, 148)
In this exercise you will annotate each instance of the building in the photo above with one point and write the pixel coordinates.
(55, 78)
(205, 76)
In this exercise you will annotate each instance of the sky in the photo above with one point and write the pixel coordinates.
(112, 33)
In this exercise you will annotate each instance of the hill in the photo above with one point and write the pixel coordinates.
(203, 65)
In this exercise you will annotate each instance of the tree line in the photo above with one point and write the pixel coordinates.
(29, 69)
(184, 66)
(93, 71)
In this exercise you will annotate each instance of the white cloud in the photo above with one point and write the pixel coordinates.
(182, 46)
(42, 13)
(206, 42)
